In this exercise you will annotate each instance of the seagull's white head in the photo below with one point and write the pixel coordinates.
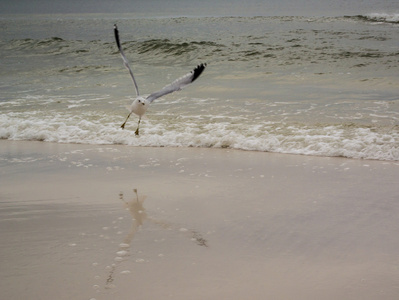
(139, 106)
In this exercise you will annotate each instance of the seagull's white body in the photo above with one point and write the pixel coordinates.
(140, 105)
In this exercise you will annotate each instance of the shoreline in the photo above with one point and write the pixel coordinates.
(294, 226)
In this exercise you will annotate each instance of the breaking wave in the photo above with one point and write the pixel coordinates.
(380, 18)
(342, 140)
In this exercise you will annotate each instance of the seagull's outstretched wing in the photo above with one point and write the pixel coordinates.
(125, 62)
(178, 84)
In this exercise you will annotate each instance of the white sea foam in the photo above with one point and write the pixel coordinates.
(333, 140)
(384, 17)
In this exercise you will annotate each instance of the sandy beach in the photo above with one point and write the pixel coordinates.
(119, 222)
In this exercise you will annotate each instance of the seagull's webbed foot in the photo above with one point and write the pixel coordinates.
(137, 132)
(123, 125)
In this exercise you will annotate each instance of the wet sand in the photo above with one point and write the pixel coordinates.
(117, 222)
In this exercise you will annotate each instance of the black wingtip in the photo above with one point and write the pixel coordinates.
(198, 70)
(116, 32)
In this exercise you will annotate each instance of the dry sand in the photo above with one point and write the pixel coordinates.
(205, 224)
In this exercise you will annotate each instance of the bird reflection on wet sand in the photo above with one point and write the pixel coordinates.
(139, 215)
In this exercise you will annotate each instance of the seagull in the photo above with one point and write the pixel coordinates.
(140, 104)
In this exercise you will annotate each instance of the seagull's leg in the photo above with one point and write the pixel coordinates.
(123, 125)
(138, 125)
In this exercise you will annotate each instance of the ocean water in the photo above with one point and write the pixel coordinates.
(310, 85)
